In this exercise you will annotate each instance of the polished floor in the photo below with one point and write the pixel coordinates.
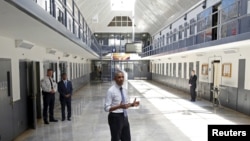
(165, 114)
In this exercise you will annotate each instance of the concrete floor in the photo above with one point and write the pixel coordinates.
(165, 114)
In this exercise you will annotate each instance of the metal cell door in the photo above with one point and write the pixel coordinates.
(216, 74)
(6, 101)
(34, 97)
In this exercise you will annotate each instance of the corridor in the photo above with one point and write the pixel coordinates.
(164, 114)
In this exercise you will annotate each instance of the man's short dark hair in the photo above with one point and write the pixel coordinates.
(117, 72)
(49, 70)
(63, 74)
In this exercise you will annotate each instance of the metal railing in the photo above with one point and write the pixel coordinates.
(67, 13)
(230, 23)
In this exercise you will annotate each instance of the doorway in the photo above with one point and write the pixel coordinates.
(53, 66)
(30, 88)
(6, 101)
(216, 75)
(62, 69)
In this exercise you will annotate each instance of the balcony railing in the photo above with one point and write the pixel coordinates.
(231, 22)
(68, 14)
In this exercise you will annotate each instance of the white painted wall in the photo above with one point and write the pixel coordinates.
(207, 58)
(37, 53)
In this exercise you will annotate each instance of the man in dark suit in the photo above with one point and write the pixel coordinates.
(192, 84)
(65, 89)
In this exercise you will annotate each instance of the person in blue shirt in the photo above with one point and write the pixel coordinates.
(65, 89)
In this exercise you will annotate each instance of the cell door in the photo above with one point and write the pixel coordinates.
(62, 69)
(216, 74)
(137, 70)
(30, 89)
(130, 70)
(34, 93)
(6, 101)
(53, 66)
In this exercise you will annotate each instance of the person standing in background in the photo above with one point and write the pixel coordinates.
(192, 85)
(49, 88)
(65, 89)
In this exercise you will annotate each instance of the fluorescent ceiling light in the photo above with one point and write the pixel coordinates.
(122, 5)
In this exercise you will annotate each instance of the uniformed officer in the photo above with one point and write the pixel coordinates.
(49, 88)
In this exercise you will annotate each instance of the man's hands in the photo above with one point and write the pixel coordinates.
(126, 106)
(52, 91)
(135, 103)
(67, 95)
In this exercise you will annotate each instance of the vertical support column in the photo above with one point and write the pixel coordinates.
(86, 34)
(133, 23)
(79, 26)
(52, 8)
(65, 13)
(73, 12)
(83, 29)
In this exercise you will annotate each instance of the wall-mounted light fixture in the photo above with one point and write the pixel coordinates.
(51, 51)
(66, 55)
(24, 44)
(230, 50)
(200, 54)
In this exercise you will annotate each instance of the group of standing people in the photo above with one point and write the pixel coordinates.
(116, 102)
(49, 89)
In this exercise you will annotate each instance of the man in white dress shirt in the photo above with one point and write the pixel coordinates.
(49, 88)
(117, 103)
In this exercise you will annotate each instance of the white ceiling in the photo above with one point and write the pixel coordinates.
(150, 15)
(15, 24)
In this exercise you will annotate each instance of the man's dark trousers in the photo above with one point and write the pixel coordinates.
(119, 127)
(48, 102)
(193, 93)
(66, 102)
